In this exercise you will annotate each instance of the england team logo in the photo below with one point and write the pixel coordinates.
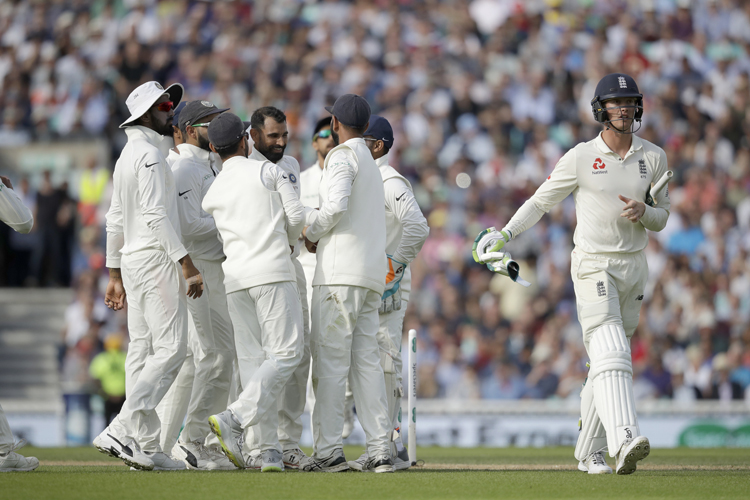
(622, 82)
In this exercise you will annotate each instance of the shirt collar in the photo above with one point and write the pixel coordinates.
(382, 161)
(635, 145)
(355, 140)
(141, 132)
(257, 155)
(190, 151)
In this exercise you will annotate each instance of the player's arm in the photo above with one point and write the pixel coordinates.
(560, 183)
(274, 179)
(114, 296)
(655, 218)
(341, 174)
(189, 183)
(12, 210)
(151, 174)
(401, 202)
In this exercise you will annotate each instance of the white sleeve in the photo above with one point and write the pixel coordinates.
(561, 182)
(274, 179)
(655, 218)
(401, 202)
(13, 212)
(189, 184)
(115, 233)
(341, 173)
(153, 190)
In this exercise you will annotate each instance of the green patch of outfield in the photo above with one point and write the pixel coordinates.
(677, 473)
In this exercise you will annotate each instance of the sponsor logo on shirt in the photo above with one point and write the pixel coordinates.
(599, 166)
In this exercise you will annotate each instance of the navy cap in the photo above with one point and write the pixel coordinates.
(177, 110)
(380, 129)
(195, 111)
(225, 130)
(351, 110)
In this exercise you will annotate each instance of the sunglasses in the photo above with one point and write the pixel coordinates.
(165, 106)
(323, 134)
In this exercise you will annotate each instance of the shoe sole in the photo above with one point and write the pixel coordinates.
(272, 468)
(116, 454)
(19, 469)
(213, 423)
(383, 468)
(638, 451)
(287, 465)
(401, 466)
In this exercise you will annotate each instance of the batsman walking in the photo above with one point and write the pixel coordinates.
(608, 176)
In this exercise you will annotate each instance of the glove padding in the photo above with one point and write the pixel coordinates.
(502, 263)
(488, 242)
(396, 271)
(391, 303)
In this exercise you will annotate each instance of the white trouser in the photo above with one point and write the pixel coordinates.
(609, 293)
(344, 328)
(157, 324)
(6, 435)
(202, 386)
(308, 267)
(269, 340)
(293, 395)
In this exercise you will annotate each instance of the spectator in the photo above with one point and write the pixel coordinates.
(108, 369)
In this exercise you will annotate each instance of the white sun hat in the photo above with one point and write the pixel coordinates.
(144, 96)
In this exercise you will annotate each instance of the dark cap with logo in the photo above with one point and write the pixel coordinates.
(225, 130)
(351, 110)
(380, 129)
(195, 111)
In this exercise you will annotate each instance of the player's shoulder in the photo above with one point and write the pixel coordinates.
(651, 149)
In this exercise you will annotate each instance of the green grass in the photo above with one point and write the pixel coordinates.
(670, 478)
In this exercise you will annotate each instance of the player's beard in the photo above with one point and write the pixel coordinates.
(203, 142)
(273, 155)
(335, 138)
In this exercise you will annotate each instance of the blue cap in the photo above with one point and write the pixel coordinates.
(176, 118)
(380, 129)
(351, 110)
(225, 130)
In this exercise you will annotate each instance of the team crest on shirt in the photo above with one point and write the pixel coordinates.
(293, 178)
(642, 168)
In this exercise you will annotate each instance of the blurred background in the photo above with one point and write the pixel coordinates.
(484, 97)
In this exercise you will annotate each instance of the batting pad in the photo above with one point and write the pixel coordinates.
(392, 388)
(611, 375)
(592, 436)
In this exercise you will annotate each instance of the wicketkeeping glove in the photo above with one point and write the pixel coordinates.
(502, 263)
(489, 241)
(392, 285)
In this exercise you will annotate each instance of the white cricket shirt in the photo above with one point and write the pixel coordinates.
(143, 214)
(193, 176)
(596, 175)
(13, 212)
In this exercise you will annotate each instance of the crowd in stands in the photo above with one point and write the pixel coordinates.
(484, 96)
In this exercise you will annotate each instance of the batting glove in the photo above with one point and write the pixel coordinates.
(502, 263)
(488, 242)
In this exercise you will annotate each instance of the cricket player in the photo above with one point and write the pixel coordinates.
(259, 219)
(348, 235)
(144, 255)
(270, 134)
(178, 136)
(18, 216)
(202, 386)
(406, 231)
(609, 177)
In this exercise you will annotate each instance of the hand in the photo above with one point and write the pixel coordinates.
(488, 242)
(193, 278)
(633, 210)
(391, 302)
(6, 181)
(311, 247)
(114, 298)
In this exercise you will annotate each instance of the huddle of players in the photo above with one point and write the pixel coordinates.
(246, 235)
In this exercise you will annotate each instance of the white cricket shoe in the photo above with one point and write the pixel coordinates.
(255, 462)
(230, 435)
(631, 451)
(217, 459)
(13, 462)
(359, 464)
(401, 460)
(336, 462)
(595, 464)
(293, 457)
(126, 450)
(382, 463)
(193, 454)
(348, 417)
(162, 461)
(272, 461)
